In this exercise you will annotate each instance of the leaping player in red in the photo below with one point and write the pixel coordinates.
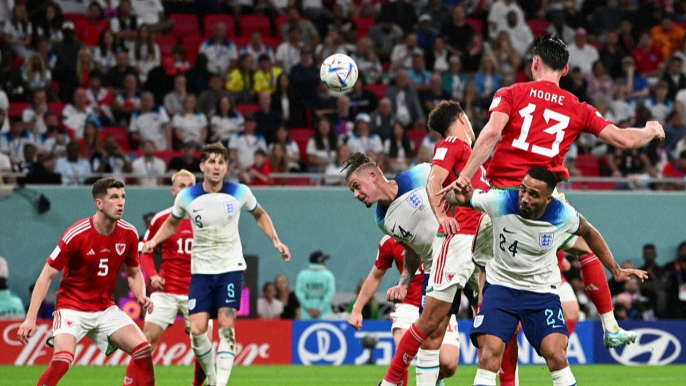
(91, 253)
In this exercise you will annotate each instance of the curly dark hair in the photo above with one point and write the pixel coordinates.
(443, 116)
(552, 50)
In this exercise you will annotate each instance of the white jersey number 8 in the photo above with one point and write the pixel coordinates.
(558, 130)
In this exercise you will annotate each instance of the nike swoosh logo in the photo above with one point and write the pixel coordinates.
(196, 210)
(506, 231)
(230, 301)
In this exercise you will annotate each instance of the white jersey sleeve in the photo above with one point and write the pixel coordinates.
(180, 204)
(491, 202)
(246, 198)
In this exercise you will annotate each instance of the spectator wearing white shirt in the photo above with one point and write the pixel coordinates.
(5, 167)
(268, 306)
(151, 123)
(401, 56)
(399, 150)
(12, 143)
(582, 54)
(74, 169)
(243, 145)
(105, 54)
(288, 52)
(151, 12)
(4, 105)
(520, 33)
(190, 125)
(145, 53)
(18, 30)
(364, 141)
(173, 101)
(226, 121)
(283, 138)
(321, 148)
(128, 101)
(74, 116)
(33, 116)
(257, 48)
(220, 52)
(100, 99)
(149, 165)
(659, 105)
(125, 24)
(497, 16)
(53, 142)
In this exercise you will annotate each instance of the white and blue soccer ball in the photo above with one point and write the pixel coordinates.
(338, 72)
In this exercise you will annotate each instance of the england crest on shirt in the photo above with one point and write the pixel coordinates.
(415, 200)
(545, 239)
(229, 207)
(120, 248)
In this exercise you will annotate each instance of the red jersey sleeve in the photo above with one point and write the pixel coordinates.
(384, 258)
(446, 155)
(595, 123)
(502, 101)
(61, 255)
(131, 259)
(147, 258)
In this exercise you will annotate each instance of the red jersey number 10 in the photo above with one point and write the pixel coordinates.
(558, 130)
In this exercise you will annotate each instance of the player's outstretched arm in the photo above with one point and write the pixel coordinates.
(28, 328)
(455, 195)
(369, 287)
(434, 183)
(483, 148)
(632, 138)
(166, 230)
(411, 264)
(137, 285)
(265, 223)
(598, 245)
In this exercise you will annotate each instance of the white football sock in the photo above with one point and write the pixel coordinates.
(427, 367)
(609, 322)
(225, 355)
(484, 378)
(563, 377)
(202, 347)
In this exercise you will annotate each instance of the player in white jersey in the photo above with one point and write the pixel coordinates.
(403, 212)
(529, 225)
(217, 262)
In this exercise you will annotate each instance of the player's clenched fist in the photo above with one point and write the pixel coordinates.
(396, 294)
(355, 320)
(146, 303)
(657, 129)
(26, 331)
(149, 246)
(283, 250)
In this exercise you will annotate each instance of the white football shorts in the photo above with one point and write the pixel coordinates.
(99, 326)
(404, 315)
(452, 267)
(166, 307)
(566, 293)
(452, 334)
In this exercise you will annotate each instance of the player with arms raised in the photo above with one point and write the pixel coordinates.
(534, 124)
(172, 282)
(217, 262)
(91, 253)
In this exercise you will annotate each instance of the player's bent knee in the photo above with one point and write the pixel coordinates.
(198, 330)
(557, 360)
(448, 369)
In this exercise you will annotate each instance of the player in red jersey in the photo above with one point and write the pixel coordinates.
(173, 280)
(91, 253)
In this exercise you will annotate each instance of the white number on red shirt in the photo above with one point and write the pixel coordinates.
(184, 247)
(103, 268)
(558, 130)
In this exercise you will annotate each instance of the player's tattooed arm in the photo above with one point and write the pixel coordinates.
(410, 267)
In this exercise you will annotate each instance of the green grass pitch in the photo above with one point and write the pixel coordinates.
(598, 375)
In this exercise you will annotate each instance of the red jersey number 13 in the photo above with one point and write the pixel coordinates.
(558, 130)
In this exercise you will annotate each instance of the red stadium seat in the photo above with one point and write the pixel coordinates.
(477, 25)
(364, 25)
(301, 136)
(211, 20)
(185, 25)
(167, 155)
(240, 42)
(378, 89)
(246, 109)
(588, 164)
(16, 109)
(56, 107)
(538, 26)
(250, 23)
(280, 21)
(166, 44)
(417, 136)
(120, 134)
(191, 45)
(271, 42)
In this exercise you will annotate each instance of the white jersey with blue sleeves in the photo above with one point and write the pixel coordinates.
(216, 244)
(525, 250)
(409, 218)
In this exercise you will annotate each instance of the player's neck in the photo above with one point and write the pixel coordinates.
(548, 76)
(103, 224)
(456, 132)
(212, 188)
(389, 191)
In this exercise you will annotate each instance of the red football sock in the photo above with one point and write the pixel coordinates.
(595, 283)
(508, 366)
(407, 350)
(403, 379)
(59, 365)
(140, 371)
(198, 375)
(571, 324)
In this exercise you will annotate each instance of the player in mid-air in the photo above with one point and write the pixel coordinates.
(534, 124)
(403, 212)
(217, 262)
(172, 282)
(523, 279)
(91, 253)
(407, 312)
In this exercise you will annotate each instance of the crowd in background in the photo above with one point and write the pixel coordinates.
(139, 86)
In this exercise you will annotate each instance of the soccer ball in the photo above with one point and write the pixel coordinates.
(338, 72)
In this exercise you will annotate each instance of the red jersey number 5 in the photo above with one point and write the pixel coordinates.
(103, 269)
(558, 130)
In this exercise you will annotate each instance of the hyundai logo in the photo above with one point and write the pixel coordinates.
(652, 347)
(329, 345)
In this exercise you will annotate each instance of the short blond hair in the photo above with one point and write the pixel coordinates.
(183, 173)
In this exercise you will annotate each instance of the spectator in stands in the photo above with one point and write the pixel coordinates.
(283, 100)
(637, 86)
(113, 159)
(612, 53)
(190, 125)
(5, 168)
(305, 79)
(268, 306)
(454, 81)
(418, 74)
(361, 99)
(88, 30)
(259, 173)
(582, 54)
(4, 105)
(99, 99)
(114, 78)
(316, 287)
(145, 53)
(241, 81)
(488, 80)
(332, 44)
(256, 48)
(266, 77)
(406, 105)
(149, 165)
(52, 143)
(67, 53)
(279, 160)
(659, 105)
(364, 141)
(151, 123)
(268, 120)
(33, 116)
(576, 83)
(457, 33)
(332, 174)
(385, 35)
(321, 148)
(220, 51)
(368, 64)
(207, 102)
(243, 144)
(434, 95)
(91, 142)
(125, 24)
(650, 61)
(74, 115)
(497, 15)
(675, 169)
(600, 83)
(186, 161)
(403, 53)
(507, 57)
(292, 150)
(370, 310)
(607, 18)
(291, 306)
(151, 12)
(402, 12)
(675, 129)
(288, 52)
(426, 150)
(324, 105)
(105, 54)
(638, 306)
(226, 121)
(128, 101)
(676, 285)
(668, 35)
(653, 286)
(33, 169)
(674, 77)
(627, 40)
(399, 150)
(84, 66)
(72, 167)
(308, 32)
(51, 25)
(179, 55)
(560, 27)
(426, 33)
(13, 142)
(36, 74)
(342, 120)
(344, 25)
(520, 33)
(437, 10)
(11, 306)
(161, 79)
(18, 30)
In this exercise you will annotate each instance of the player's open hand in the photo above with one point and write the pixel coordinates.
(157, 282)
(657, 129)
(283, 250)
(26, 331)
(355, 320)
(146, 303)
(149, 246)
(396, 294)
(624, 274)
(449, 224)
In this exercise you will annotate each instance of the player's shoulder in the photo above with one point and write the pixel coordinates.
(558, 212)
(128, 228)
(235, 189)
(161, 216)
(78, 228)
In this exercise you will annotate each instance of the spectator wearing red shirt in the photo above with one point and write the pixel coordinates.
(88, 31)
(676, 168)
(260, 172)
(650, 61)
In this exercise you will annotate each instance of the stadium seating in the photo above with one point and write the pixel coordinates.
(538, 26)
(246, 109)
(416, 136)
(378, 89)
(16, 109)
(301, 136)
(211, 20)
(588, 164)
(280, 21)
(120, 134)
(185, 25)
(272, 42)
(364, 25)
(166, 44)
(56, 107)
(250, 23)
(191, 45)
(477, 25)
